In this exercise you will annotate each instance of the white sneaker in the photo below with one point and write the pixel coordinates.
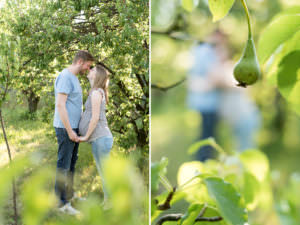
(76, 197)
(67, 208)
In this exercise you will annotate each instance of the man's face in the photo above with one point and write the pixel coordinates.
(85, 67)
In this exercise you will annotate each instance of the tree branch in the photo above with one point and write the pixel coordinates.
(176, 217)
(175, 31)
(143, 83)
(6, 84)
(166, 205)
(146, 45)
(155, 86)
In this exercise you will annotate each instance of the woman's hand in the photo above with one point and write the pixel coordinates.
(82, 138)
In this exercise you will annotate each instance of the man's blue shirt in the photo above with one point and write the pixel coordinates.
(204, 59)
(67, 83)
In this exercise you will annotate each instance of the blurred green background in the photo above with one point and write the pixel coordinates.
(174, 127)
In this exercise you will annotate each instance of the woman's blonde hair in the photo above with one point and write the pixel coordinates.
(101, 80)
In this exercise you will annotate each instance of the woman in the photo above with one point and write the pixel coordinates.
(93, 124)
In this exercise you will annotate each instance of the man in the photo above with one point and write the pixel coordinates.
(68, 109)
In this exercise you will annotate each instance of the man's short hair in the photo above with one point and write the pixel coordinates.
(84, 55)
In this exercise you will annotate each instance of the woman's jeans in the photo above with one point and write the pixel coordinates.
(101, 148)
(67, 156)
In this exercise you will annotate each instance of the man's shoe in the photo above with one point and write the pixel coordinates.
(67, 208)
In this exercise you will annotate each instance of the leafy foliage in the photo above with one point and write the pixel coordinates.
(231, 185)
(128, 196)
(279, 40)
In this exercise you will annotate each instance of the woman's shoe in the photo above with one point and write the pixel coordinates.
(67, 208)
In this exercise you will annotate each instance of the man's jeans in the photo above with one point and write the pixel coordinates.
(209, 124)
(101, 148)
(67, 157)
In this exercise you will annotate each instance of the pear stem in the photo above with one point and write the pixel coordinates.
(248, 18)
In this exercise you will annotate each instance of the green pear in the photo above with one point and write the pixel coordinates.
(247, 70)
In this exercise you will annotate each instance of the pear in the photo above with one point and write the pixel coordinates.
(247, 70)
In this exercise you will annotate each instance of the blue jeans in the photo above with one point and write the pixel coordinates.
(101, 148)
(67, 157)
(209, 124)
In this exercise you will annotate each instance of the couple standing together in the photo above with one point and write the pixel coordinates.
(72, 126)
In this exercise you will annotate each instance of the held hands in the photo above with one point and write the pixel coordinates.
(83, 139)
(73, 136)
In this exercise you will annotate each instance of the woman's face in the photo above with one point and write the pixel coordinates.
(92, 74)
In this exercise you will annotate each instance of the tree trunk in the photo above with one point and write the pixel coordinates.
(33, 101)
(142, 139)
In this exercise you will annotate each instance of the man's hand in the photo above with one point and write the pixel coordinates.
(73, 136)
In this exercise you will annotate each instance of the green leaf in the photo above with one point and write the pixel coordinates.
(288, 78)
(288, 47)
(189, 177)
(212, 212)
(194, 147)
(219, 8)
(228, 201)
(289, 11)
(277, 32)
(190, 216)
(256, 163)
(157, 169)
(191, 173)
(189, 5)
(209, 141)
(250, 189)
(188, 173)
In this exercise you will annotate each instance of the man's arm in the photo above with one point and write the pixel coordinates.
(63, 114)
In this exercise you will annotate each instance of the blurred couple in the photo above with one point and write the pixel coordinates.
(73, 126)
(212, 91)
